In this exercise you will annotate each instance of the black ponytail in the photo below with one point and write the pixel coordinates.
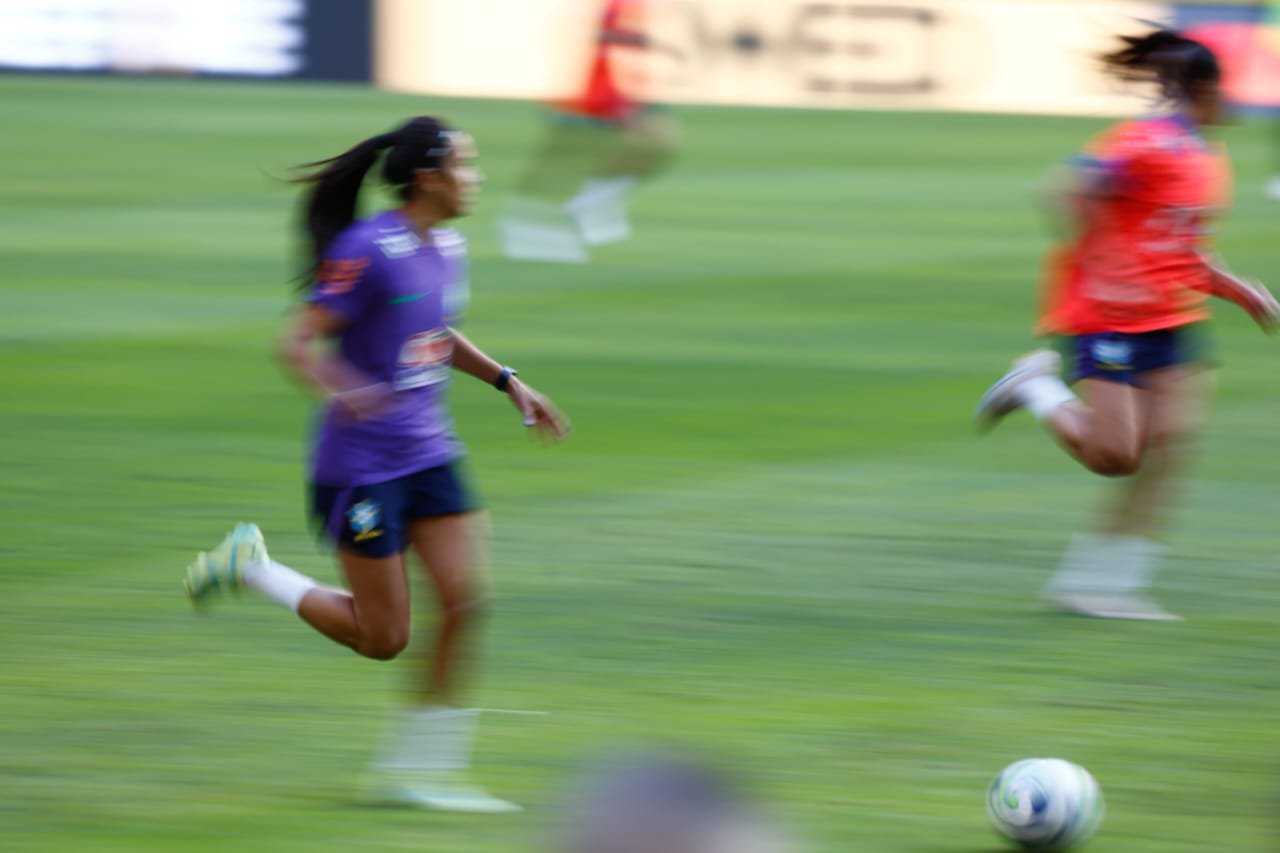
(1177, 64)
(332, 203)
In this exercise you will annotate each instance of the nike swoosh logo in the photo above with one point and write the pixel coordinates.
(411, 297)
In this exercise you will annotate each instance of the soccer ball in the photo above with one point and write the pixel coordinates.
(1045, 804)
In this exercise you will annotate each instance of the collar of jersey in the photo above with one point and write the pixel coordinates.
(1183, 121)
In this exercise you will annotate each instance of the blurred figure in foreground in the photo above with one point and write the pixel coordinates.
(601, 144)
(656, 803)
(1126, 297)
(376, 339)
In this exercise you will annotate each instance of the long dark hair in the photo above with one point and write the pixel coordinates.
(1177, 64)
(332, 202)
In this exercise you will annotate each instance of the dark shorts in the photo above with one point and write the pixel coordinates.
(1124, 357)
(373, 520)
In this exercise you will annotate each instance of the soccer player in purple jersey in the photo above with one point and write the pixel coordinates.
(377, 337)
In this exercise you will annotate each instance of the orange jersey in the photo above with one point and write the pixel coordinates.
(602, 97)
(1137, 263)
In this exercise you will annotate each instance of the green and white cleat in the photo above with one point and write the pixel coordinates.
(223, 567)
(433, 790)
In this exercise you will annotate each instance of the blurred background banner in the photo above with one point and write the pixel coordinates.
(313, 39)
(888, 54)
(897, 54)
(885, 54)
(484, 48)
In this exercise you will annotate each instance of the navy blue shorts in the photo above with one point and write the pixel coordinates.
(1124, 357)
(373, 520)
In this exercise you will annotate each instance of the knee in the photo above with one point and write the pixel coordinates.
(1113, 462)
(383, 645)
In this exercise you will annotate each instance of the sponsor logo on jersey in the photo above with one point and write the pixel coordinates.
(398, 243)
(339, 276)
(449, 243)
(424, 359)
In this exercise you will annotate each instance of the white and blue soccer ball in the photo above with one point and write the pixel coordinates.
(1045, 804)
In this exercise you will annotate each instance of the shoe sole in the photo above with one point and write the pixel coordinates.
(1077, 607)
(411, 800)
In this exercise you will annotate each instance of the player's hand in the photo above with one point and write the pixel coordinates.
(1261, 305)
(538, 412)
(363, 403)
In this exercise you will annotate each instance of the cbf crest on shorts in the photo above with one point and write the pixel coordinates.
(1112, 354)
(365, 518)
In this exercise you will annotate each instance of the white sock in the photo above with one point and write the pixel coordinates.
(1105, 565)
(1078, 566)
(534, 230)
(1042, 394)
(279, 583)
(1135, 562)
(597, 189)
(430, 738)
(602, 218)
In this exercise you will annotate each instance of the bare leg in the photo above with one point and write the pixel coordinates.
(1108, 573)
(535, 224)
(1104, 430)
(1101, 428)
(570, 154)
(450, 548)
(424, 764)
(373, 618)
(648, 144)
(1174, 415)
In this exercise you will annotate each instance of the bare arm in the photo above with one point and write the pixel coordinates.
(322, 372)
(1252, 296)
(1068, 193)
(471, 360)
(537, 411)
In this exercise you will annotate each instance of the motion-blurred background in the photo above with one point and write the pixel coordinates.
(773, 534)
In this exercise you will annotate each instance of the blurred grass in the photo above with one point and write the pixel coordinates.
(772, 535)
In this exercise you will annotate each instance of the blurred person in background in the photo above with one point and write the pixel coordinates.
(1126, 297)
(654, 802)
(1270, 33)
(602, 143)
(376, 337)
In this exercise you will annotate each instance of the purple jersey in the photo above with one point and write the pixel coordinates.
(399, 296)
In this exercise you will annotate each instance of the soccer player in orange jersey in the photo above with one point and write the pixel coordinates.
(603, 142)
(1125, 295)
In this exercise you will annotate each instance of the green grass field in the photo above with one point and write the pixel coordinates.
(773, 535)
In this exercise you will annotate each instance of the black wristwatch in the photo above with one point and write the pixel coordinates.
(504, 378)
